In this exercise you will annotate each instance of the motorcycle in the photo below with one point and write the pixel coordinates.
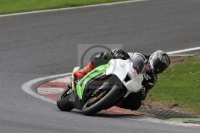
(103, 87)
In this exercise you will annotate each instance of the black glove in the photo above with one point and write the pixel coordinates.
(119, 54)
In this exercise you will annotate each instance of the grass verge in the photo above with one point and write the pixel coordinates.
(180, 85)
(14, 6)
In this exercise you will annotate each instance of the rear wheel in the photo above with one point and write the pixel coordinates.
(63, 102)
(101, 101)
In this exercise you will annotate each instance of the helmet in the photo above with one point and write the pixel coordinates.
(159, 61)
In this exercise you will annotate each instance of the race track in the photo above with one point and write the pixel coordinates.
(41, 44)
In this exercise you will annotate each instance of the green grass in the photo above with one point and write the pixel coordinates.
(180, 85)
(13, 6)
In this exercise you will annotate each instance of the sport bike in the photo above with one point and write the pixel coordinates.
(103, 87)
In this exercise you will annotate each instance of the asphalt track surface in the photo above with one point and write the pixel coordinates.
(42, 44)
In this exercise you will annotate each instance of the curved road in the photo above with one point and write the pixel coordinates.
(42, 44)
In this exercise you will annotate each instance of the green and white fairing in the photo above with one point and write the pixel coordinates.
(95, 72)
(120, 68)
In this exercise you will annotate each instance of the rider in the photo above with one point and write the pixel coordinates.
(156, 63)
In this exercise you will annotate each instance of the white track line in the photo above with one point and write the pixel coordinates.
(30, 85)
(184, 50)
(54, 90)
(72, 8)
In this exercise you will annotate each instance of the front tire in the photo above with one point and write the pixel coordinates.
(63, 102)
(104, 101)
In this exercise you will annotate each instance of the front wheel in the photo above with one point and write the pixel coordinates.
(63, 102)
(101, 101)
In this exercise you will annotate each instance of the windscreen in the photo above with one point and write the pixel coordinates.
(139, 64)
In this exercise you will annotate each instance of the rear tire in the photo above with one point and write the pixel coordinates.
(103, 103)
(63, 102)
